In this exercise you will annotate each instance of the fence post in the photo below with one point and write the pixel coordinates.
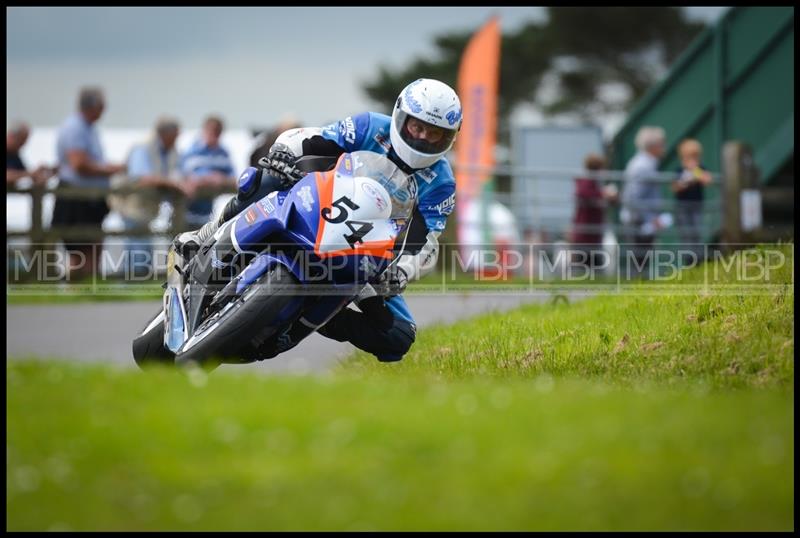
(738, 173)
(37, 230)
(179, 206)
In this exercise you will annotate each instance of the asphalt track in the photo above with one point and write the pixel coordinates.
(102, 332)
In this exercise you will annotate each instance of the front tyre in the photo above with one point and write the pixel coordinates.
(148, 346)
(231, 329)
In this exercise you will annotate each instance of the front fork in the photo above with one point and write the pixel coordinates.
(175, 319)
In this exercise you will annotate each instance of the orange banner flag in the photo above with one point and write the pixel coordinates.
(478, 77)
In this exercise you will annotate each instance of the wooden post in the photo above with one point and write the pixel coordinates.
(36, 236)
(37, 231)
(179, 206)
(738, 173)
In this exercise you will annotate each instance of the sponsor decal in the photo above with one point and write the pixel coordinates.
(439, 225)
(445, 207)
(250, 216)
(453, 117)
(266, 204)
(410, 101)
(371, 191)
(306, 198)
(329, 130)
(427, 174)
(430, 256)
(347, 164)
(412, 186)
(348, 129)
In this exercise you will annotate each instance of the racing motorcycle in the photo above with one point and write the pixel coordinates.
(282, 267)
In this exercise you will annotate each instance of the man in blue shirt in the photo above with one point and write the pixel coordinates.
(417, 136)
(81, 164)
(154, 169)
(206, 164)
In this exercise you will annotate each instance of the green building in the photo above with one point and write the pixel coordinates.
(734, 83)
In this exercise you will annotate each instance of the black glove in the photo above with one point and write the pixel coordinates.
(392, 282)
(280, 162)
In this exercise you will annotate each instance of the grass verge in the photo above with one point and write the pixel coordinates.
(634, 412)
(91, 448)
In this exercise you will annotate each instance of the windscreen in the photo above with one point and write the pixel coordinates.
(400, 186)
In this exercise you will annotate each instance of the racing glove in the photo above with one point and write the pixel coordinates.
(392, 282)
(280, 162)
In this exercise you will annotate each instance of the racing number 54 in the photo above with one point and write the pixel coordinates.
(342, 204)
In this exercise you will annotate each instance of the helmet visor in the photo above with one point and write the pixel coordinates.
(422, 136)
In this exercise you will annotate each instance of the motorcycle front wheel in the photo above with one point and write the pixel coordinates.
(234, 326)
(148, 346)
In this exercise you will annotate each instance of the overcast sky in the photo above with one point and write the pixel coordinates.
(251, 65)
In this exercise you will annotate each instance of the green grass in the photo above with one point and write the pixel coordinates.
(99, 449)
(548, 418)
(726, 337)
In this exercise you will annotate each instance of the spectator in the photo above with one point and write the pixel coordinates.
(206, 164)
(688, 189)
(641, 195)
(154, 169)
(590, 205)
(81, 164)
(16, 137)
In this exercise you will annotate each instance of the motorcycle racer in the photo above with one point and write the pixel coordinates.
(416, 137)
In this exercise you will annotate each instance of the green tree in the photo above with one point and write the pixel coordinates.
(584, 49)
(595, 47)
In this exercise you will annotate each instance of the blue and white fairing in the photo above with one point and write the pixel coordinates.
(338, 227)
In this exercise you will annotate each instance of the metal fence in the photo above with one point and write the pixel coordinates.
(539, 217)
(551, 215)
(38, 233)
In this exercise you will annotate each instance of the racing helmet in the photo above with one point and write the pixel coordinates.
(425, 121)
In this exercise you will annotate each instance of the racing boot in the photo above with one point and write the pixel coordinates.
(188, 243)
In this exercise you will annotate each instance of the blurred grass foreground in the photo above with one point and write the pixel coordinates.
(632, 412)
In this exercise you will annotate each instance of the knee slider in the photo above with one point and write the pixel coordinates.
(399, 340)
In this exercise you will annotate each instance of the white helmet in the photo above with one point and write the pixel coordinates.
(434, 103)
